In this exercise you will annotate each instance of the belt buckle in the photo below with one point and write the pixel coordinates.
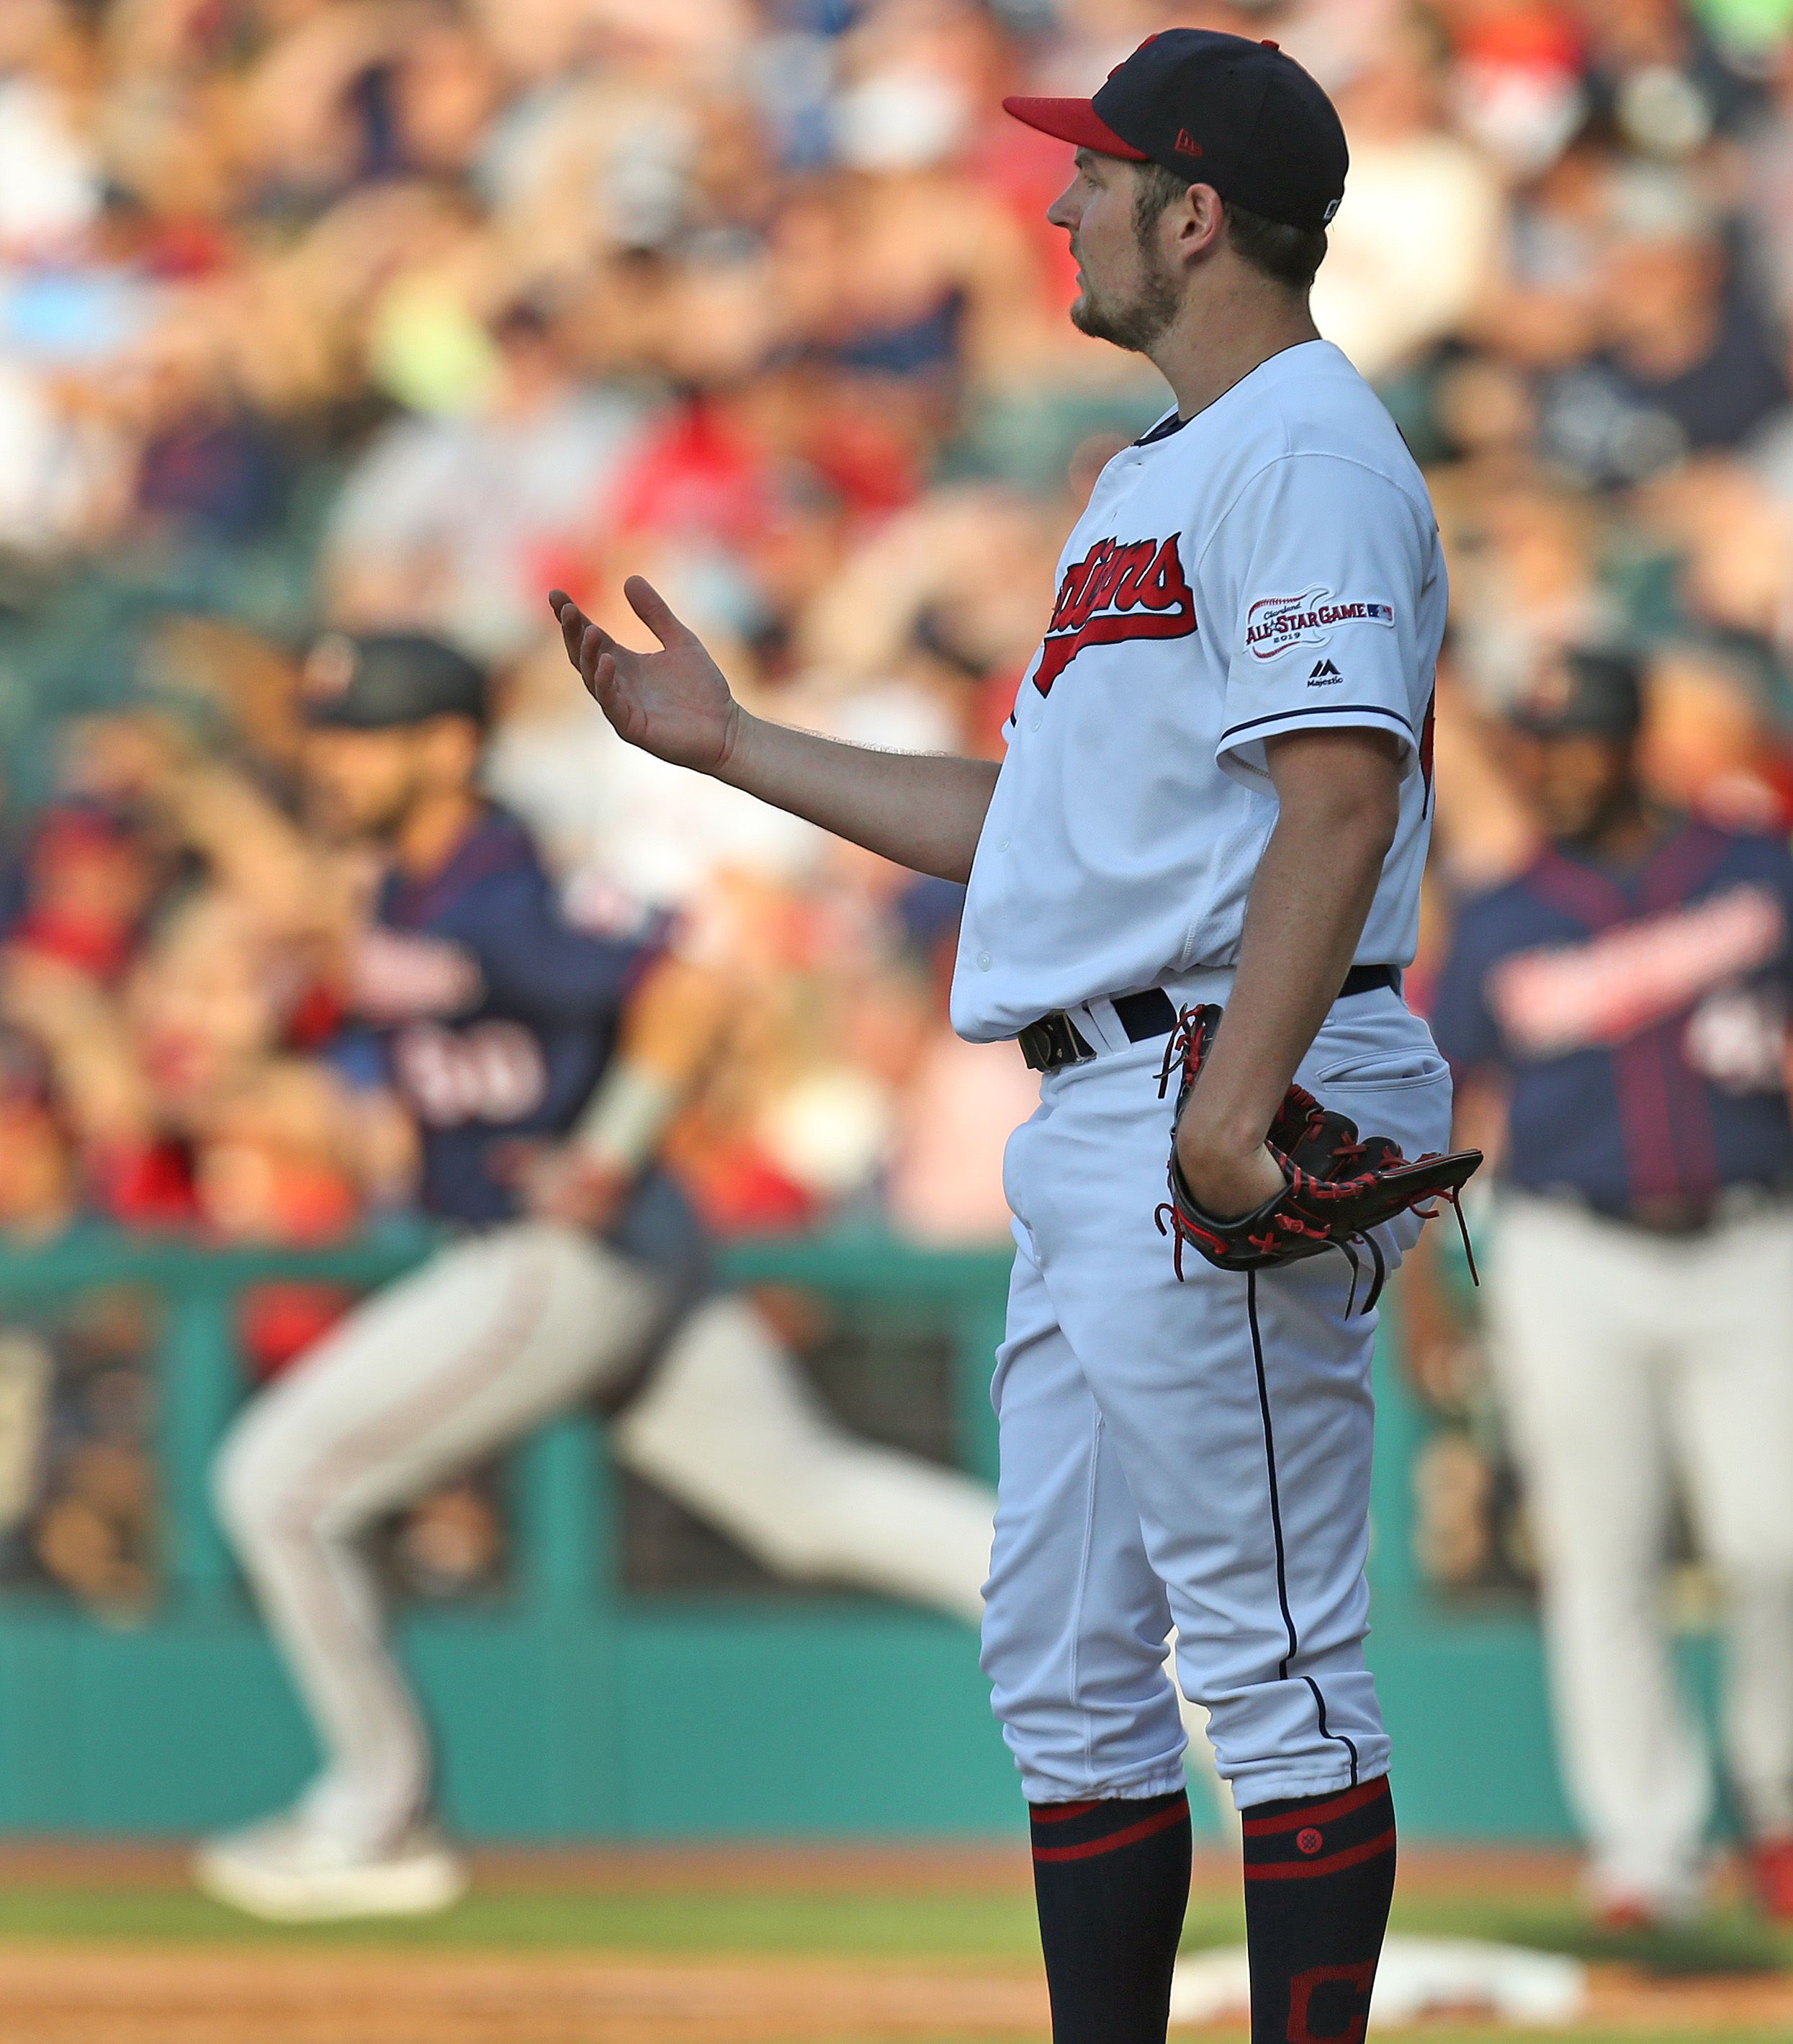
(1053, 1042)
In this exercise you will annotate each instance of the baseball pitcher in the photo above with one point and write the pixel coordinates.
(1193, 884)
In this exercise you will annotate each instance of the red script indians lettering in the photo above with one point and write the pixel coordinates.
(1134, 589)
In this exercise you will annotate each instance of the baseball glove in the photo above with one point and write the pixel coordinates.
(1338, 1185)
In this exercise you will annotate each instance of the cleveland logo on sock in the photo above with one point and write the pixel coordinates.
(1331, 2004)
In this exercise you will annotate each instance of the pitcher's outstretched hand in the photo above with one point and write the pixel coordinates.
(674, 703)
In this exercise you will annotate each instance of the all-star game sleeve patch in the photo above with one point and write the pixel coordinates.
(1274, 624)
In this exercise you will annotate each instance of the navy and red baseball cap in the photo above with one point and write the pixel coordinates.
(1586, 691)
(381, 680)
(1219, 110)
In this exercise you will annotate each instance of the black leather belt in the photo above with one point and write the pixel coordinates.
(1055, 1040)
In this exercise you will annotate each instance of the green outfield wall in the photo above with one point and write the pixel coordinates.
(568, 1707)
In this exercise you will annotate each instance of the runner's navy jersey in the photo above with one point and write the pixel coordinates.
(490, 1013)
(1640, 1017)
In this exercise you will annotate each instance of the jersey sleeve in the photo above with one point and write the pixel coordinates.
(1323, 566)
(539, 968)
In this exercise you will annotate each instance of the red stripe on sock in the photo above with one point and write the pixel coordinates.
(1304, 1869)
(1059, 1813)
(1147, 1827)
(1316, 1813)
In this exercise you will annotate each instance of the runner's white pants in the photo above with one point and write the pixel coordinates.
(471, 1351)
(1632, 1364)
(1195, 1453)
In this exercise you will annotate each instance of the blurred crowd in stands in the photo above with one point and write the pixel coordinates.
(392, 312)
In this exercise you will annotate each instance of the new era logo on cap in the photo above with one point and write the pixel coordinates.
(1186, 145)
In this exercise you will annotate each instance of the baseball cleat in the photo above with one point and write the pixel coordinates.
(287, 1871)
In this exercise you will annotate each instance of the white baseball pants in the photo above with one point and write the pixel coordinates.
(1195, 1453)
(469, 1353)
(1631, 1363)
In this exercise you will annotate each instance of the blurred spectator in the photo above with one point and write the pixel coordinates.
(1416, 234)
(457, 521)
(86, 886)
(182, 1102)
(77, 1476)
(39, 1194)
(1685, 357)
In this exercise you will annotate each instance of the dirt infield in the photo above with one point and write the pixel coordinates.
(67, 1996)
(159, 1997)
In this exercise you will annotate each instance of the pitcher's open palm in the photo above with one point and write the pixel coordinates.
(674, 703)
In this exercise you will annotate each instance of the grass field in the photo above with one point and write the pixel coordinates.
(667, 1946)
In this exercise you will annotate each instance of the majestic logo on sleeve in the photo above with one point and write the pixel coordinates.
(1135, 590)
(1275, 623)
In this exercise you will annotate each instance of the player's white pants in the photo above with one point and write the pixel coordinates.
(474, 1350)
(1196, 1453)
(419, 1381)
(1632, 1364)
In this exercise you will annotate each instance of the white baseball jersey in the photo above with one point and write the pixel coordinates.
(1271, 565)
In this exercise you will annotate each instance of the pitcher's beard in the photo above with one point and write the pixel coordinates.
(1137, 324)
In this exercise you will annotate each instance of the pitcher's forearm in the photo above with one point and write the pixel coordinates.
(1339, 797)
(1313, 889)
(922, 809)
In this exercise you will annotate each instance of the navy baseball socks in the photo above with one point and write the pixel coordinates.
(1112, 1879)
(1319, 1874)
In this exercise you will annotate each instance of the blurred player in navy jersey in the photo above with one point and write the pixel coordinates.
(540, 1062)
(1622, 1004)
